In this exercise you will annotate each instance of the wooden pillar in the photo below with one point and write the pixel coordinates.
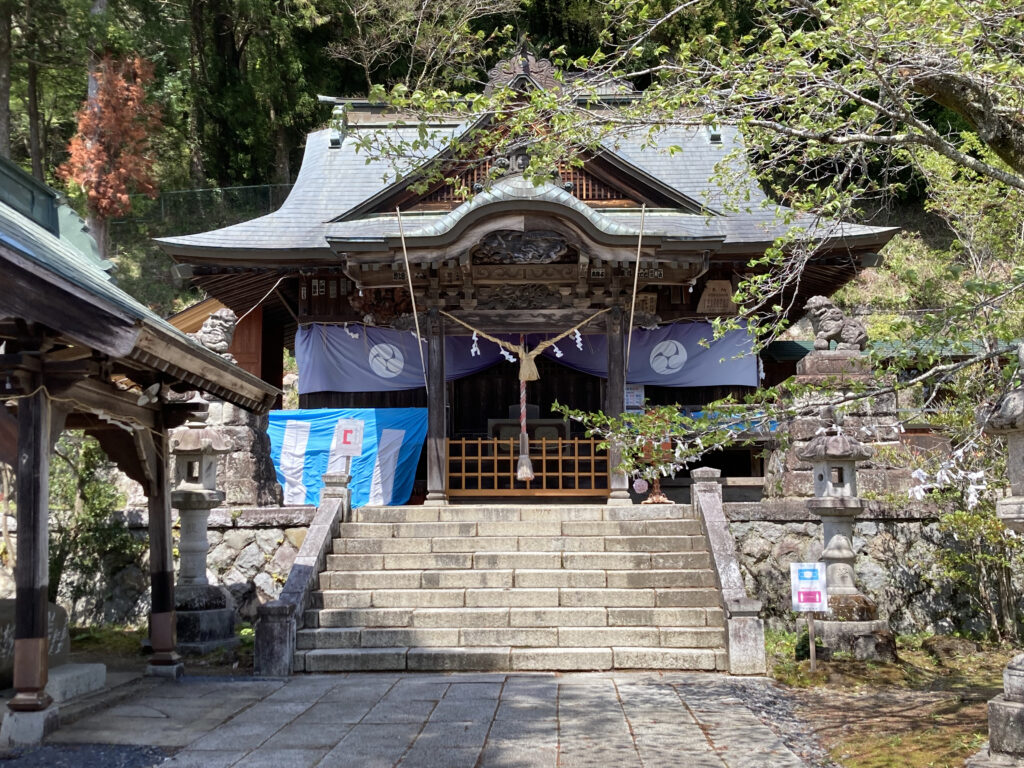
(153, 449)
(437, 454)
(615, 400)
(31, 569)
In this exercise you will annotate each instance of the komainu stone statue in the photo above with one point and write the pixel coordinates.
(217, 333)
(830, 323)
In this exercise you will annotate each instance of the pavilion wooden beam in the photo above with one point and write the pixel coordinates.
(153, 456)
(30, 294)
(39, 423)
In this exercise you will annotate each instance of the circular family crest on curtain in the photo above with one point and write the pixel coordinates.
(386, 360)
(668, 357)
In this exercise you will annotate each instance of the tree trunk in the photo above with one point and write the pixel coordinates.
(6, 17)
(99, 7)
(35, 145)
(1008, 604)
(986, 600)
(8, 560)
(98, 229)
(282, 170)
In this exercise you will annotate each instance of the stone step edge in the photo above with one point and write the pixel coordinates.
(508, 659)
(421, 515)
(356, 633)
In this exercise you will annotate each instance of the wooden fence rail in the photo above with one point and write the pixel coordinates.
(485, 466)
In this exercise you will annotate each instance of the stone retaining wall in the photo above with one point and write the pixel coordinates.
(896, 553)
(252, 550)
(251, 553)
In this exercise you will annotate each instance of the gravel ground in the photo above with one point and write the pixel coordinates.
(82, 756)
(777, 709)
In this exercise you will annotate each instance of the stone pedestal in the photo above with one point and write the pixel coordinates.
(873, 421)
(275, 639)
(205, 619)
(863, 640)
(28, 728)
(245, 472)
(1006, 712)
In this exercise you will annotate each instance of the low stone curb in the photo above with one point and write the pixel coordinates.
(278, 620)
(745, 629)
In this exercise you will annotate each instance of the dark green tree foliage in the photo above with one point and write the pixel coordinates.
(86, 536)
(256, 70)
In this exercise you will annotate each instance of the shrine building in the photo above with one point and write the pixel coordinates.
(607, 276)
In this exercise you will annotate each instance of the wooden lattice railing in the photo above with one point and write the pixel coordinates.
(483, 466)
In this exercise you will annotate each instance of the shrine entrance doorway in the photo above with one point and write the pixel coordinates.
(483, 449)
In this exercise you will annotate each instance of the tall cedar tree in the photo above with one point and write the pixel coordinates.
(109, 156)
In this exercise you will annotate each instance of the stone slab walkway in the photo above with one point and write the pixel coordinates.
(646, 720)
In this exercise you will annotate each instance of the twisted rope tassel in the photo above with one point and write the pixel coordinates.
(524, 469)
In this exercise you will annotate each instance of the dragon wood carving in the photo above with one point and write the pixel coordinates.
(505, 246)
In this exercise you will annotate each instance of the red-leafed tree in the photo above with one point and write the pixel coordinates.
(110, 155)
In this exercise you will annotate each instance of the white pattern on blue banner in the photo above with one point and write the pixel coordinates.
(383, 481)
(293, 461)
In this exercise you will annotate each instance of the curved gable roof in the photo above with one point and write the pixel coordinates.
(336, 183)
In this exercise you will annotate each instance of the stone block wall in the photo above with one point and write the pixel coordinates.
(251, 553)
(896, 562)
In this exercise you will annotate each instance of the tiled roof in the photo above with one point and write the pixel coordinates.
(53, 254)
(333, 181)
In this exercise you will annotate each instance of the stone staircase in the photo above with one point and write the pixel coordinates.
(516, 588)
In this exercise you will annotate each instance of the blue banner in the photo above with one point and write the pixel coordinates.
(355, 358)
(307, 443)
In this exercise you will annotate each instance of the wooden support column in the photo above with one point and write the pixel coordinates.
(615, 401)
(437, 454)
(153, 451)
(36, 426)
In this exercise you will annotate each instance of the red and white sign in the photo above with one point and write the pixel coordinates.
(808, 583)
(348, 438)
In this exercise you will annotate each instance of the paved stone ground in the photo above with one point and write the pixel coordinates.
(609, 720)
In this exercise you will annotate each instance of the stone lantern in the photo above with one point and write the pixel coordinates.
(854, 626)
(1006, 712)
(205, 616)
(833, 457)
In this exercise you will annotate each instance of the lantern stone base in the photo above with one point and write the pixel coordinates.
(205, 619)
(845, 608)
(1006, 726)
(168, 671)
(864, 640)
(204, 631)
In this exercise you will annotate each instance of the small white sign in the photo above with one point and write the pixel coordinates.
(808, 584)
(634, 397)
(348, 438)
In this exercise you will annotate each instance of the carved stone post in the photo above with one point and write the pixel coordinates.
(615, 403)
(437, 454)
(1006, 712)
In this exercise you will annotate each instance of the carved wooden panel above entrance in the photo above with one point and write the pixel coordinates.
(504, 246)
